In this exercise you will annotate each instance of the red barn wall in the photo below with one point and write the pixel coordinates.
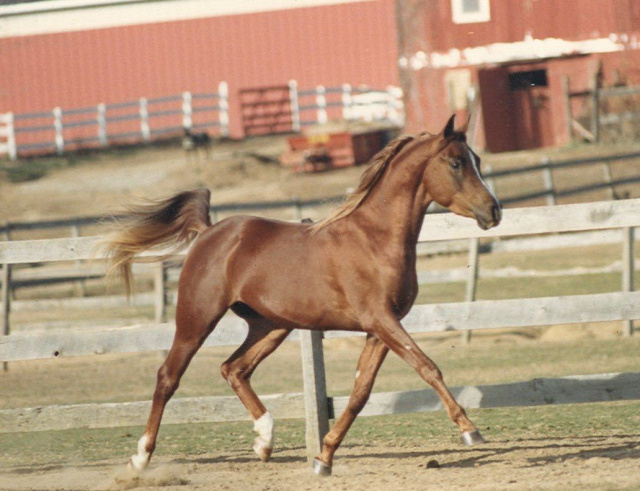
(334, 44)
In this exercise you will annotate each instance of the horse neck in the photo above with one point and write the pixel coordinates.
(395, 208)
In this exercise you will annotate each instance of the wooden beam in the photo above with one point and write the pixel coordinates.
(492, 314)
(537, 392)
(231, 331)
(586, 388)
(484, 314)
(518, 221)
(530, 221)
(178, 411)
(5, 307)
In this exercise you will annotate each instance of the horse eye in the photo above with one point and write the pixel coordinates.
(456, 164)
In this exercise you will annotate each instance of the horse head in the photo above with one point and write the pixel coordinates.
(452, 178)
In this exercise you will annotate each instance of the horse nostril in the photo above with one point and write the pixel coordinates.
(496, 212)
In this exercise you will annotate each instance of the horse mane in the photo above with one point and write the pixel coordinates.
(369, 179)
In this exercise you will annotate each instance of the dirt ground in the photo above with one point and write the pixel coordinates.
(595, 462)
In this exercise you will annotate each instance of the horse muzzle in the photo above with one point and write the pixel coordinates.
(489, 218)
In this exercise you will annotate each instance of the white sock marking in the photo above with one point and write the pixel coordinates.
(141, 459)
(264, 426)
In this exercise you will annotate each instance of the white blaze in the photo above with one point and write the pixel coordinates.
(474, 164)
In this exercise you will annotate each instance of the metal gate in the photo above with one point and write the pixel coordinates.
(267, 110)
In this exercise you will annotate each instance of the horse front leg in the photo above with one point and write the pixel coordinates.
(370, 361)
(393, 335)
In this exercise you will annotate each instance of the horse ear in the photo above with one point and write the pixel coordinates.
(448, 129)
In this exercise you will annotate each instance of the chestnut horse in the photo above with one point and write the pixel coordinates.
(355, 271)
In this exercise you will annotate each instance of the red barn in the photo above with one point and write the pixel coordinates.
(78, 53)
(512, 55)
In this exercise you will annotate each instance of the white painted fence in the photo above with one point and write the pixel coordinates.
(102, 124)
(148, 118)
(617, 306)
(7, 136)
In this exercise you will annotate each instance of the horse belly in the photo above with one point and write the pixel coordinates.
(295, 290)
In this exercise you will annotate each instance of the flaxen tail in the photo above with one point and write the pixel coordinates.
(167, 225)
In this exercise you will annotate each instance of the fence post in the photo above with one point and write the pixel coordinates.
(606, 170)
(57, 126)
(321, 103)
(347, 101)
(295, 105)
(187, 110)
(298, 208)
(6, 304)
(101, 119)
(547, 176)
(472, 280)
(628, 269)
(160, 290)
(144, 120)
(223, 111)
(81, 286)
(393, 111)
(315, 391)
(595, 108)
(10, 134)
(567, 107)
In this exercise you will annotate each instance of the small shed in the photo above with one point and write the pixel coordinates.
(505, 63)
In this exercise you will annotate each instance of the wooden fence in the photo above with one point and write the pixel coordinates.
(141, 120)
(314, 403)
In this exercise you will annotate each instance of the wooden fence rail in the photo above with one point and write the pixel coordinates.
(616, 306)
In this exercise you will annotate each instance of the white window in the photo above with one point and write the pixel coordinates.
(469, 11)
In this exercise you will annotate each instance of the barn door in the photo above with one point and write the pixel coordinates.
(532, 108)
(497, 111)
(266, 110)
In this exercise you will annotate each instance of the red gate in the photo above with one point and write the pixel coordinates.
(266, 110)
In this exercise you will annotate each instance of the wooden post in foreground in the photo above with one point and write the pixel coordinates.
(547, 177)
(595, 104)
(6, 299)
(315, 391)
(567, 107)
(472, 281)
(627, 271)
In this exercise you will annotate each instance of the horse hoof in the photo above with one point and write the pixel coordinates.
(261, 450)
(136, 466)
(320, 468)
(472, 438)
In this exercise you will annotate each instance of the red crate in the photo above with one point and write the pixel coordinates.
(319, 152)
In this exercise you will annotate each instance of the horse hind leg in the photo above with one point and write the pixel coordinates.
(191, 332)
(262, 340)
